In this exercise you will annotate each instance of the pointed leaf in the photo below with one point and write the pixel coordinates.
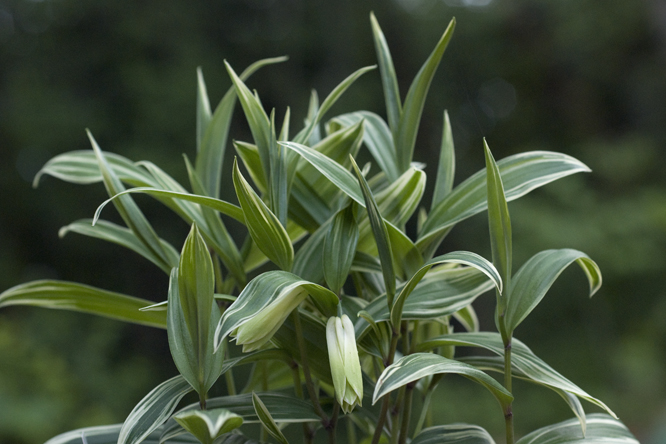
(457, 257)
(117, 234)
(520, 174)
(194, 358)
(376, 137)
(389, 78)
(249, 154)
(265, 229)
(62, 295)
(339, 248)
(522, 359)
(267, 420)
(329, 101)
(443, 292)
(538, 274)
(447, 165)
(223, 207)
(380, 234)
(128, 210)
(419, 365)
(601, 429)
(309, 259)
(454, 434)
(207, 425)
(204, 114)
(153, 410)
(211, 154)
(405, 137)
(498, 221)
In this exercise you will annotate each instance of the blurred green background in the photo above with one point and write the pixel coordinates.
(583, 77)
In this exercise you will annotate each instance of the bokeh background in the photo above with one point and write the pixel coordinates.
(584, 77)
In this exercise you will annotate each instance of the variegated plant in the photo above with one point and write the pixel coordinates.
(354, 317)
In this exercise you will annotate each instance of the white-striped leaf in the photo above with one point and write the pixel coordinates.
(339, 248)
(520, 174)
(408, 126)
(456, 257)
(208, 425)
(601, 429)
(153, 410)
(446, 167)
(62, 295)
(454, 434)
(376, 137)
(498, 221)
(267, 420)
(264, 227)
(522, 359)
(537, 275)
(443, 292)
(120, 235)
(420, 365)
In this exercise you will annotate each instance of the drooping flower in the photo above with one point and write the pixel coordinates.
(260, 328)
(345, 363)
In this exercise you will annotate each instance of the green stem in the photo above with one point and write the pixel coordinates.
(395, 413)
(387, 398)
(508, 410)
(298, 390)
(351, 431)
(330, 427)
(406, 414)
(306, 368)
(228, 375)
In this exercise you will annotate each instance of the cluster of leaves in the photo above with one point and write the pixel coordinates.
(334, 239)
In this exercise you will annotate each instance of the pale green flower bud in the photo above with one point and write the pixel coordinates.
(345, 364)
(259, 329)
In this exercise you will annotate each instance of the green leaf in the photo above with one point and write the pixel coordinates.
(454, 434)
(520, 174)
(267, 420)
(405, 136)
(446, 167)
(536, 276)
(443, 292)
(406, 257)
(498, 221)
(284, 408)
(194, 357)
(396, 203)
(457, 257)
(249, 154)
(129, 211)
(204, 114)
(208, 425)
(600, 428)
(419, 365)
(256, 117)
(376, 137)
(215, 233)
(339, 248)
(153, 410)
(380, 234)
(262, 298)
(309, 259)
(196, 286)
(62, 295)
(329, 101)
(332, 170)
(117, 234)
(211, 153)
(223, 207)
(389, 78)
(108, 434)
(523, 360)
(81, 167)
(265, 229)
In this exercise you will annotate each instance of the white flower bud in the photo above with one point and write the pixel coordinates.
(345, 363)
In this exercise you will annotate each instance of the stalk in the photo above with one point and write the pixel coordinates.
(406, 414)
(306, 368)
(508, 377)
(351, 431)
(387, 398)
(298, 390)
(229, 376)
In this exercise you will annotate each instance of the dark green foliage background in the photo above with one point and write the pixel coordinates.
(583, 77)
